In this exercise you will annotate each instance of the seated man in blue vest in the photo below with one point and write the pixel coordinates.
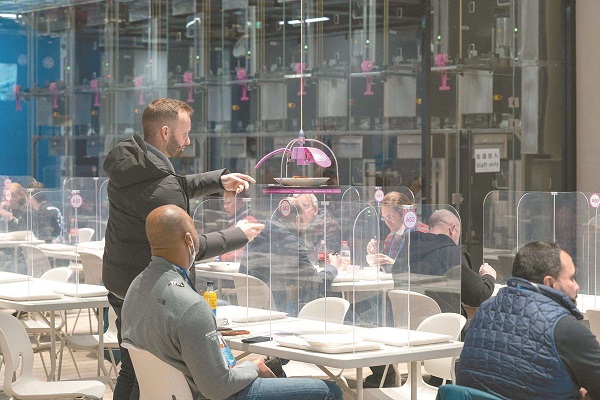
(529, 341)
(163, 314)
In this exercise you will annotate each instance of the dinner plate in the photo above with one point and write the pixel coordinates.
(301, 181)
(221, 266)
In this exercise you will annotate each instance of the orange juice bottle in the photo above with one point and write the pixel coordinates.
(211, 297)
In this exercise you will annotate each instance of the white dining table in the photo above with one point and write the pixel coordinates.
(387, 354)
(14, 245)
(15, 296)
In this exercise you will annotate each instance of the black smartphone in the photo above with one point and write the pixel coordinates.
(257, 339)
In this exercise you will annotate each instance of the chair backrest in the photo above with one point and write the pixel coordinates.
(157, 379)
(37, 262)
(330, 309)
(418, 305)
(85, 235)
(60, 274)
(594, 318)
(252, 292)
(456, 392)
(446, 324)
(92, 266)
(111, 332)
(17, 352)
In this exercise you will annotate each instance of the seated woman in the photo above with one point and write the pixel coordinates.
(278, 257)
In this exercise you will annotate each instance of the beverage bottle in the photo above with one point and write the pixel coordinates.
(345, 255)
(73, 230)
(322, 254)
(211, 297)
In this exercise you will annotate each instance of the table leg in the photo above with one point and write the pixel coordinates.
(413, 379)
(101, 365)
(51, 375)
(359, 383)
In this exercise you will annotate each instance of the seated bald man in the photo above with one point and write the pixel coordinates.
(163, 314)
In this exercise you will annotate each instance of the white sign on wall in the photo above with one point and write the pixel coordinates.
(487, 160)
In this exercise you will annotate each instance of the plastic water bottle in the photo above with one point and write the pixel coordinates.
(211, 297)
(345, 255)
(322, 254)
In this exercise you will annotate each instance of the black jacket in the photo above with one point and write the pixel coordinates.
(430, 254)
(139, 182)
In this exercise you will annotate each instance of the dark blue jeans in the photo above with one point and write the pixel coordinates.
(127, 386)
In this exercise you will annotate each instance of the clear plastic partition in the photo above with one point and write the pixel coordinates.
(15, 226)
(589, 296)
(427, 269)
(42, 260)
(500, 231)
(23, 180)
(560, 217)
(95, 185)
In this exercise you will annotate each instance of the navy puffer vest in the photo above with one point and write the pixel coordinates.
(509, 349)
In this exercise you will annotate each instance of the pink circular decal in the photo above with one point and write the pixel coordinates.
(285, 208)
(379, 195)
(410, 219)
(76, 201)
(7, 182)
(7, 194)
(595, 200)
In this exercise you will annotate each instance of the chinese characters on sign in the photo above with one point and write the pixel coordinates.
(487, 160)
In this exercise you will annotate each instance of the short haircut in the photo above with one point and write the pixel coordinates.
(396, 199)
(536, 260)
(442, 217)
(160, 112)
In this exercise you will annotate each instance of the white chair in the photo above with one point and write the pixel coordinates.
(157, 379)
(37, 324)
(19, 382)
(329, 309)
(444, 323)
(85, 235)
(252, 292)
(92, 343)
(419, 307)
(36, 260)
(92, 266)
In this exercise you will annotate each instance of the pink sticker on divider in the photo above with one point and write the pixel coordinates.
(379, 195)
(7, 182)
(76, 201)
(595, 200)
(7, 194)
(285, 208)
(410, 219)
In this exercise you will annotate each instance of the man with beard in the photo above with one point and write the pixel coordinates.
(529, 340)
(142, 178)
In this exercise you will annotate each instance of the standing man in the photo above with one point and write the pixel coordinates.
(529, 342)
(141, 178)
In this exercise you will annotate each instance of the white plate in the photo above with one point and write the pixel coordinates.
(331, 339)
(301, 181)
(221, 266)
(299, 343)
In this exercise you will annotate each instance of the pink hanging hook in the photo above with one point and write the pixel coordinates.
(440, 61)
(367, 66)
(188, 77)
(94, 86)
(17, 91)
(299, 68)
(139, 82)
(54, 90)
(243, 75)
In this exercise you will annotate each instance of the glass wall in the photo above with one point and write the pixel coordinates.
(450, 98)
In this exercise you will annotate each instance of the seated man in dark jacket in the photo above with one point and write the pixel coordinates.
(278, 257)
(528, 342)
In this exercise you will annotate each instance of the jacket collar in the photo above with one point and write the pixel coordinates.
(556, 295)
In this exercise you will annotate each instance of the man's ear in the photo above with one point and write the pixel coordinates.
(164, 132)
(548, 280)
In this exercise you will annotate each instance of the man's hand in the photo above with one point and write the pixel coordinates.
(486, 269)
(250, 229)
(6, 215)
(372, 246)
(263, 370)
(236, 182)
